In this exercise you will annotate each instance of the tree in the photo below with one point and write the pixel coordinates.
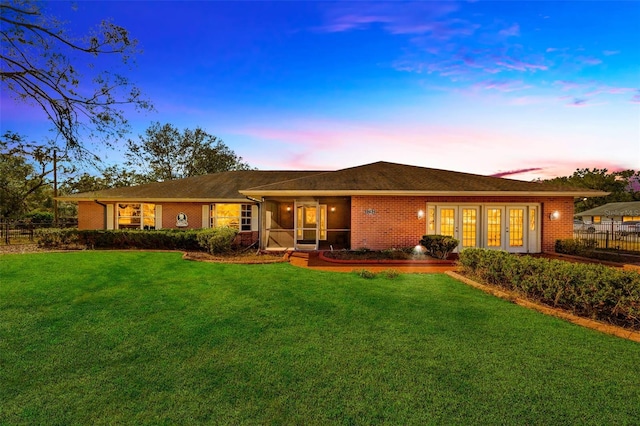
(25, 176)
(619, 184)
(165, 153)
(40, 63)
(112, 177)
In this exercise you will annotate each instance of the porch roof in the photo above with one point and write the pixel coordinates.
(629, 208)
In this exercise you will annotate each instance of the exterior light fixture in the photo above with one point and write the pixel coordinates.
(420, 214)
(555, 215)
(288, 208)
(333, 209)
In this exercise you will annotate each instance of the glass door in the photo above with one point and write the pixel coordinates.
(516, 231)
(494, 232)
(459, 222)
(307, 225)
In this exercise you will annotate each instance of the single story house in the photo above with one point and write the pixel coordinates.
(616, 212)
(377, 206)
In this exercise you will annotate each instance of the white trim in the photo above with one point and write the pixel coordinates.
(254, 217)
(206, 218)
(110, 216)
(158, 216)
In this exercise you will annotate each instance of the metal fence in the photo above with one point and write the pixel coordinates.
(611, 237)
(22, 232)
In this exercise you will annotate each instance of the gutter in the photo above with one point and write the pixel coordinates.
(104, 218)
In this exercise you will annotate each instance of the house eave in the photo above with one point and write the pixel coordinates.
(155, 200)
(394, 193)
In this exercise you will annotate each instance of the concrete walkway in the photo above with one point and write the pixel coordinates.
(311, 260)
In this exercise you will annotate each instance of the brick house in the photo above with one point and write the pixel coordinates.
(377, 206)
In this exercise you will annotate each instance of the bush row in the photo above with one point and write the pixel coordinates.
(589, 290)
(586, 248)
(215, 240)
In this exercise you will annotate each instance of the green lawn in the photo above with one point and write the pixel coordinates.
(147, 338)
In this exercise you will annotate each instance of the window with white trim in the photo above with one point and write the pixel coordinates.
(136, 216)
(232, 215)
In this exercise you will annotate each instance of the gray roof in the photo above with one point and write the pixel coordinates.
(628, 208)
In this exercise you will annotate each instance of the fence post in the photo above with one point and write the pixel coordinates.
(606, 243)
(6, 232)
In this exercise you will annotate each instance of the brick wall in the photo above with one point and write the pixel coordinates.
(560, 228)
(379, 222)
(171, 210)
(90, 215)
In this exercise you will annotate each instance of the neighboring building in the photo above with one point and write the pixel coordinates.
(616, 212)
(376, 206)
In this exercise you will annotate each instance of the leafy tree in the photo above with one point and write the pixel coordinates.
(112, 177)
(41, 64)
(165, 153)
(25, 176)
(619, 184)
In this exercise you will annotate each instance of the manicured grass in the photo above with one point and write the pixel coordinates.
(147, 338)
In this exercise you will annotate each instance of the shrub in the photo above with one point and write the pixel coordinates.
(390, 274)
(218, 240)
(169, 239)
(363, 273)
(439, 246)
(589, 290)
(575, 246)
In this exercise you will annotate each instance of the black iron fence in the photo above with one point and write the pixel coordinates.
(611, 237)
(22, 232)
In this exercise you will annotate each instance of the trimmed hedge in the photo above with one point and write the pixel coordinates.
(218, 240)
(588, 290)
(439, 246)
(165, 239)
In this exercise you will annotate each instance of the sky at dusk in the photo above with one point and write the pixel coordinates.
(487, 87)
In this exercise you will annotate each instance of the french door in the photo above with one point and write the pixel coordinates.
(506, 228)
(459, 222)
(513, 228)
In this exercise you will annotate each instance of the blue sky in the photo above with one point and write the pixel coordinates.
(543, 87)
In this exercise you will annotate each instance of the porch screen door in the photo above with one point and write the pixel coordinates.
(306, 226)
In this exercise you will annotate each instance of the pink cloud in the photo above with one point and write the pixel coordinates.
(501, 85)
(610, 52)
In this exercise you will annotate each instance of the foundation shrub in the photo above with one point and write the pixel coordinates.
(218, 240)
(439, 246)
(589, 290)
(169, 239)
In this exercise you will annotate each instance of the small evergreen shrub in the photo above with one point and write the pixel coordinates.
(577, 247)
(218, 240)
(589, 290)
(439, 246)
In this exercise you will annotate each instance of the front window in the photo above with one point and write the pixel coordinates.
(236, 216)
(136, 216)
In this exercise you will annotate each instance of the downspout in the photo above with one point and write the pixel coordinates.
(104, 218)
(258, 204)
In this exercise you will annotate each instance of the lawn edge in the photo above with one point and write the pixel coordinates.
(547, 310)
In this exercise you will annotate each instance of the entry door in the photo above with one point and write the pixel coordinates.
(516, 234)
(461, 223)
(307, 225)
